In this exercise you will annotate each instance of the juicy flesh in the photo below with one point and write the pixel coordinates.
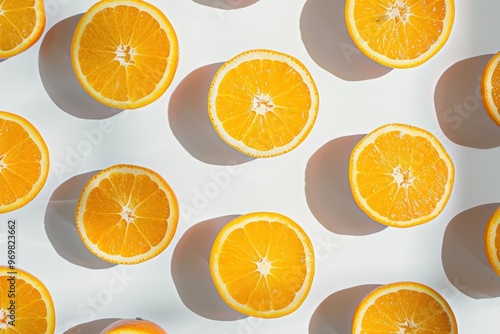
(17, 21)
(20, 162)
(31, 310)
(263, 103)
(401, 177)
(495, 87)
(406, 312)
(126, 215)
(123, 53)
(400, 29)
(263, 265)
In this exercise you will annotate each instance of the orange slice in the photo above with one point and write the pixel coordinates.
(490, 88)
(263, 103)
(24, 162)
(127, 214)
(22, 23)
(401, 175)
(399, 33)
(404, 307)
(133, 326)
(26, 305)
(124, 53)
(492, 241)
(262, 264)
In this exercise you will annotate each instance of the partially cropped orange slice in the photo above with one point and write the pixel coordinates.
(492, 241)
(399, 33)
(24, 162)
(133, 326)
(401, 175)
(127, 214)
(26, 305)
(490, 88)
(263, 103)
(262, 264)
(124, 53)
(22, 23)
(404, 307)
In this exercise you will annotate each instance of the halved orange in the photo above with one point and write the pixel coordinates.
(26, 305)
(490, 88)
(24, 162)
(22, 23)
(263, 103)
(127, 214)
(401, 175)
(262, 264)
(492, 241)
(399, 33)
(124, 53)
(404, 307)
(133, 326)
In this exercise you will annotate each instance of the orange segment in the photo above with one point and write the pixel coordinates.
(401, 175)
(262, 264)
(399, 33)
(22, 23)
(133, 326)
(34, 308)
(492, 241)
(490, 88)
(124, 53)
(24, 162)
(404, 307)
(127, 214)
(263, 103)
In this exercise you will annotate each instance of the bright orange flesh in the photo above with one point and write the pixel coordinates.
(133, 326)
(492, 241)
(399, 33)
(22, 23)
(263, 103)
(401, 175)
(124, 53)
(24, 162)
(127, 214)
(404, 307)
(490, 88)
(34, 308)
(262, 264)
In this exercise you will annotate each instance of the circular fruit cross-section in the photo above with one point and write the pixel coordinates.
(404, 307)
(124, 53)
(262, 264)
(24, 162)
(126, 214)
(401, 175)
(263, 103)
(399, 33)
(26, 305)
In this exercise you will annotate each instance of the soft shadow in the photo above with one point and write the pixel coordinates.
(58, 77)
(91, 327)
(326, 39)
(334, 315)
(328, 192)
(189, 121)
(226, 4)
(2, 60)
(191, 273)
(60, 224)
(459, 106)
(463, 254)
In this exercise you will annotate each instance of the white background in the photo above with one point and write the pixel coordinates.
(214, 183)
